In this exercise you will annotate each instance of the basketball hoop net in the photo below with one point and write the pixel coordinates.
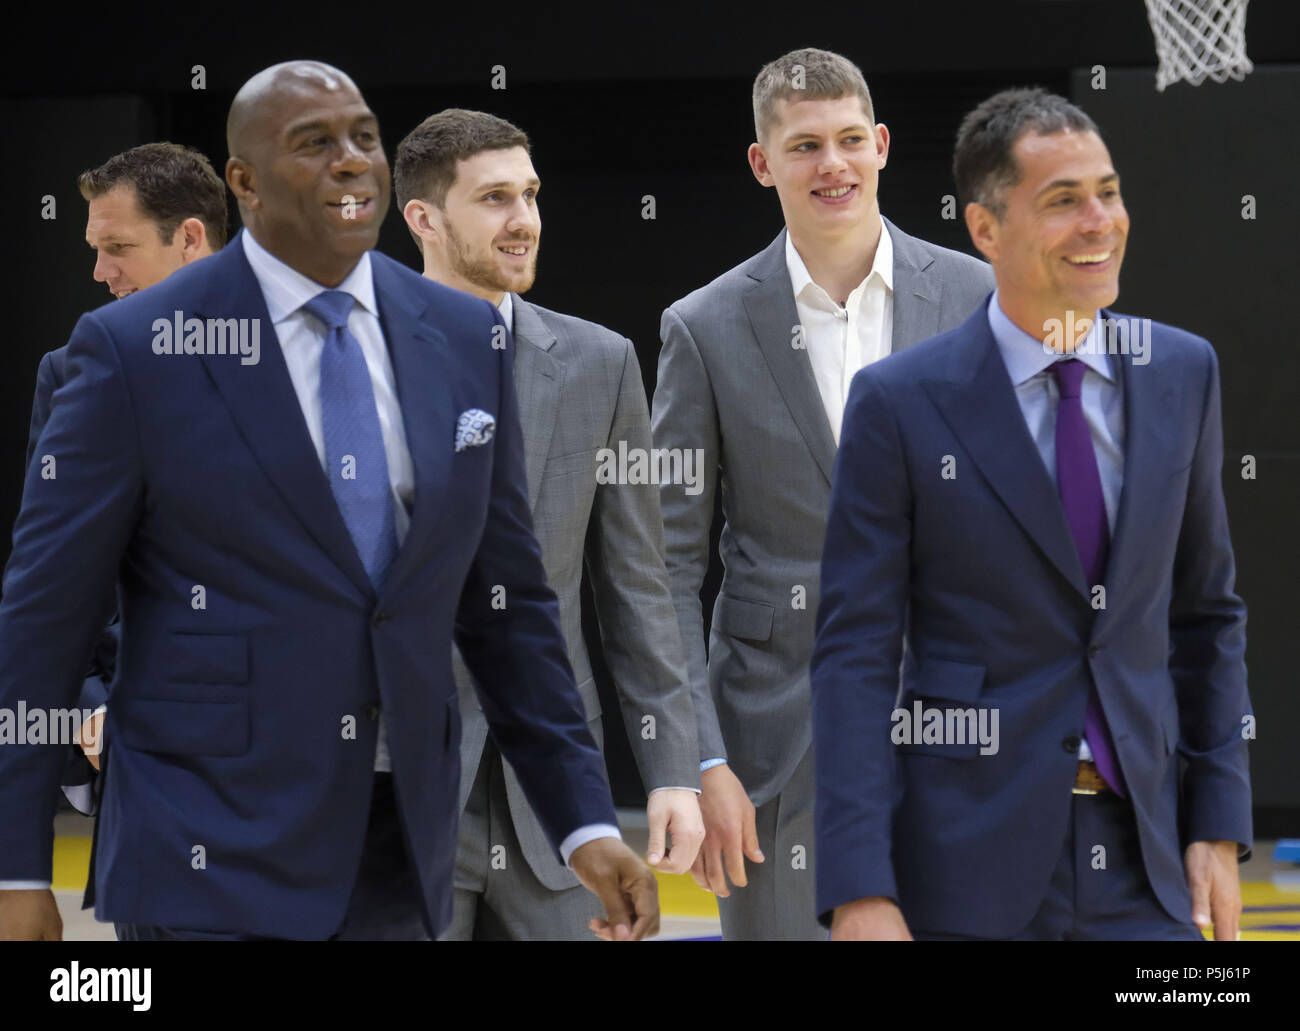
(1199, 39)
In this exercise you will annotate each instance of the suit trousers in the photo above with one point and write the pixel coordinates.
(1099, 889)
(385, 902)
(497, 897)
(780, 901)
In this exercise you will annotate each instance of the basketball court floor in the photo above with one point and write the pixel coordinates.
(1270, 890)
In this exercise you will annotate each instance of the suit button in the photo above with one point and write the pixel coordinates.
(1070, 745)
(381, 617)
(1093, 651)
(372, 713)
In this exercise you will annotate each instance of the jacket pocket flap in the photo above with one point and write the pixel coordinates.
(943, 678)
(182, 727)
(749, 620)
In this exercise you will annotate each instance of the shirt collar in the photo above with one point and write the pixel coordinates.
(286, 289)
(1026, 357)
(882, 265)
(507, 310)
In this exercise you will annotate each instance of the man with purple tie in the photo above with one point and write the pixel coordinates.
(1032, 504)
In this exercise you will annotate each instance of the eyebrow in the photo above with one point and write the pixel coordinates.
(319, 124)
(505, 185)
(859, 128)
(1074, 184)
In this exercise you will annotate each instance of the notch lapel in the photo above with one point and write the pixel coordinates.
(916, 292)
(539, 378)
(265, 408)
(982, 409)
(1149, 412)
(773, 316)
(422, 361)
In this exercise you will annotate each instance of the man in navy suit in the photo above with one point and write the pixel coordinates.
(1032, 502)
(152, 209)
(303, 465)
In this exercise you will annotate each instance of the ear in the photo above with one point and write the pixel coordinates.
(420, 220)
(882, 143)
(242, 181)
(758, 165)
(983, 227)
(194, 240)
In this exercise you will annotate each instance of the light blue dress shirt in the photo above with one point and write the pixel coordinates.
(1028, 363)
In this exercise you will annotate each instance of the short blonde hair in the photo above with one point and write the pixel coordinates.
(806, 74)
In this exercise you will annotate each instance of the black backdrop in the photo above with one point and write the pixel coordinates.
(656, 101)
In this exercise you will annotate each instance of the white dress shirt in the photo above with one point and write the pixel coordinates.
(842, 340)
(302, 338)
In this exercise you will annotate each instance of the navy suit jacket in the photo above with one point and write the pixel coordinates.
(977, 570)
(238, 784)
(51, 374)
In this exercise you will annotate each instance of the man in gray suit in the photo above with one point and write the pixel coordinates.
(468, 190)
(754, 371)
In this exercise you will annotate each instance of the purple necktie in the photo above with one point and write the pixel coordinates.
(1079, 484)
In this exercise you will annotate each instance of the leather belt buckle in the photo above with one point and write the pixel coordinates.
(1087, 781)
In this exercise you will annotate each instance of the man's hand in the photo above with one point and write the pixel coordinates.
(729, 832)
(30, 916)
(674, 811)
(625, 885)
(875, 919)
(1216, 892)
(91, 738)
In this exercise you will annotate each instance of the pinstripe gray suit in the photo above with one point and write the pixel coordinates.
(579, 389)
(731, 383)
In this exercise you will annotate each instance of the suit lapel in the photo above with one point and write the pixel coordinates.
(538, 376)
(265, 407)
(421, 364)
(773, 316)
(982, 409)
(1149, 413)
(916, 292)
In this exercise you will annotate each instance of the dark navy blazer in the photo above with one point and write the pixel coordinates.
(239, 778)
(978, 571)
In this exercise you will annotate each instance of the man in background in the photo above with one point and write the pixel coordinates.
(152, 210)
(467, 187)
(754, 371)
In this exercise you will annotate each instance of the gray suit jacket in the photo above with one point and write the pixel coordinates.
(579, 389)
(731, 384)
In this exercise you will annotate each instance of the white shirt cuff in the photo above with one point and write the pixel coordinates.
(673, 787)
(582, 835)
(23, 885)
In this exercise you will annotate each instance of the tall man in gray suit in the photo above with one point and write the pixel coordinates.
(754, 371)
(468, 190)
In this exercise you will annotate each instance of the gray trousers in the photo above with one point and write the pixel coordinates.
(780, 901)
(497, 896)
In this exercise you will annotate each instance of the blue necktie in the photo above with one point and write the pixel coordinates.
(1079, 484)
(355, 461)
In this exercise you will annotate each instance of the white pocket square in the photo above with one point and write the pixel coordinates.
(474, 427)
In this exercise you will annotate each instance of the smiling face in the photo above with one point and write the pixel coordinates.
(1060, 241)
(824, 157)
(487, 233)
(129, 255)
(313, 184)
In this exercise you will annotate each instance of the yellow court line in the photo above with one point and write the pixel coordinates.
(679, 895)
